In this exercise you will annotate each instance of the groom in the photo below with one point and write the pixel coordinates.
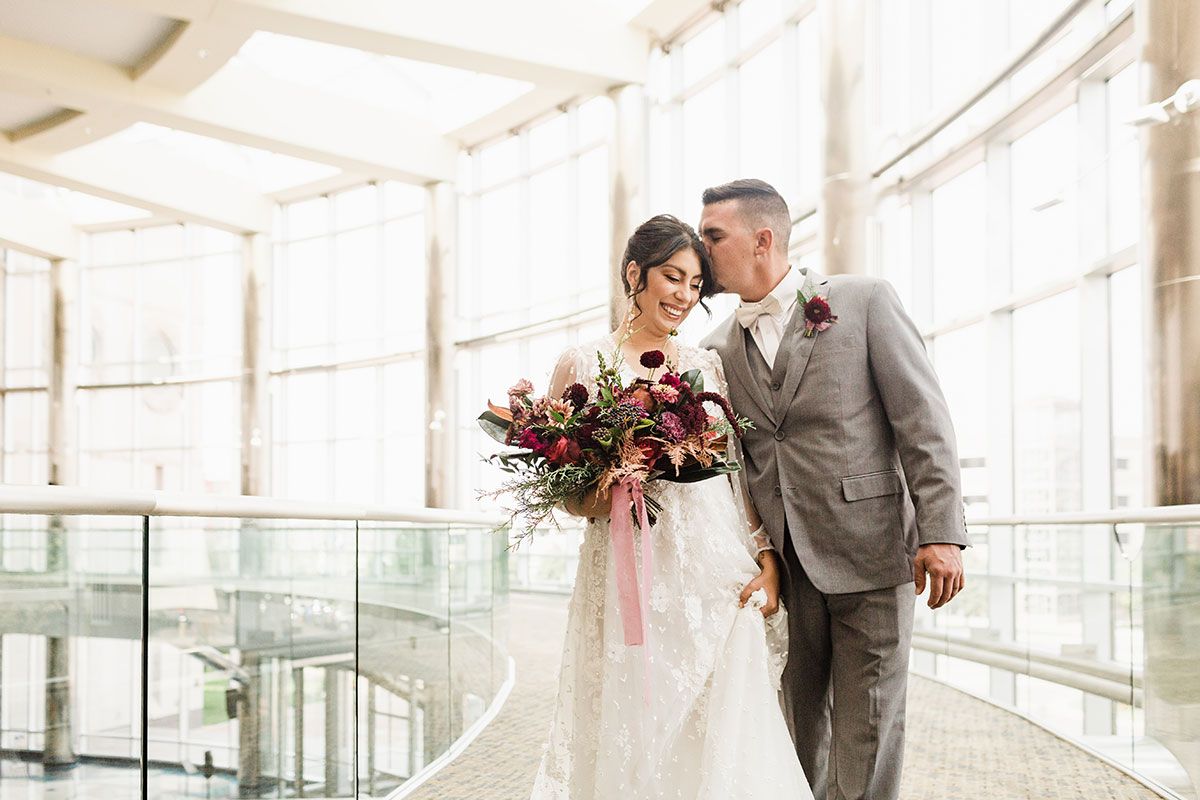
(853, 467)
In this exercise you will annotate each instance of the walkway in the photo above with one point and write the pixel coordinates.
(958, 746)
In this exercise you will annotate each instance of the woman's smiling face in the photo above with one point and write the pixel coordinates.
(672, 290)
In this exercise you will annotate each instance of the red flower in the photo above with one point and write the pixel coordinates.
(577, 394)
(530, 441)
(651, 450)
(817, 310)
(556, 451)
(671, 379)
(653, 359)
(817, 315)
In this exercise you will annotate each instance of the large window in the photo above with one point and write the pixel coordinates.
(160, 323)
(1012, 240)
(25, 374)
(348, 372)
(534, 264)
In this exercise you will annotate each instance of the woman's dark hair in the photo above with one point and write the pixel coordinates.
(653, 244)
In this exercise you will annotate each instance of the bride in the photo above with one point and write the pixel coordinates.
(692, 714)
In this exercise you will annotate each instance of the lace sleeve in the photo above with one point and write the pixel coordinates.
(758, 540)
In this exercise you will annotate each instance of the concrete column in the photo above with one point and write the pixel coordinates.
(332, 718)
(1168, 36)
(627, 185)
(372, 717)
(58, 750)
(298, 727)
(256, 304)
(1169, 39)
(3, 365)
(249, 715)
(845, 198)
(441, 223)
(64, 283)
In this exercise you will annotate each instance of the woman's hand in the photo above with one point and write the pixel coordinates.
(768, 581)
(591, 505)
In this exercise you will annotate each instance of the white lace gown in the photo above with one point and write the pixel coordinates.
(713, 729)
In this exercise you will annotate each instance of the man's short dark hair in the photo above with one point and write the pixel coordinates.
(760, 204)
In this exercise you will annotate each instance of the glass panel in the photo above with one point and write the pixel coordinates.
(405, 650)
(1044, 167)
(72, 602)
(704, 146)
(1046, 399)
(962, 366)
(1128, 421)
(761, 140)
(756, 18)
(960, 245)
(1124, 162)
(704, 52)
(252, 652)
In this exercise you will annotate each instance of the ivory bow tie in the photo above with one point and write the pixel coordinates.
(748, 313)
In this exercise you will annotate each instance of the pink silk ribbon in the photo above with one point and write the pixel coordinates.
(624, 493)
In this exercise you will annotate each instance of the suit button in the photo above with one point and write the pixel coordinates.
(780, 436)
(775, 387)
(778, 492)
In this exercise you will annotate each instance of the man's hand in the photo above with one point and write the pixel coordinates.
(944, 564)
(768, 581)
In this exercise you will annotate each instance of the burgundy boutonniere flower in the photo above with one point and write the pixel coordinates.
(817, 314)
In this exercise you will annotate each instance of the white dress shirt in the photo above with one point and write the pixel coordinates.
(768, 319)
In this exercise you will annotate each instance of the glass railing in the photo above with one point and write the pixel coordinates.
(1088, 624)
(174, 647)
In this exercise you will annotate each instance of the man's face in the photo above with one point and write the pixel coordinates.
(730, 244)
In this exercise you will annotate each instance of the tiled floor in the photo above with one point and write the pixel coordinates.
(958, 747)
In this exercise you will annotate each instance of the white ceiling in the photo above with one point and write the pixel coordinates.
(207, 111)
(17, 111)
(120, 36)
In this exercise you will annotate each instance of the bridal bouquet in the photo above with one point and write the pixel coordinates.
(616, 441)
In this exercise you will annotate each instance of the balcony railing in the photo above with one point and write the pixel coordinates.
(163, 645)
(1088, 623)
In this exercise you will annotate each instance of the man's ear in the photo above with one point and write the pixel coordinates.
(764, 240)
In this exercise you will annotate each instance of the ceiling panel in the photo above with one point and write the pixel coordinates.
(117, 35)
(17, 111)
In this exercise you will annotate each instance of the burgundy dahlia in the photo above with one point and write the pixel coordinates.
(577, 394)
(653, 359)
(817, 310)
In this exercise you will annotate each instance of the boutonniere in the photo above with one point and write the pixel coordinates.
(817, 314)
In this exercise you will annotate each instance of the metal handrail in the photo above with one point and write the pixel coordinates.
(1104, 679)
(73, 501)
(1118, 516)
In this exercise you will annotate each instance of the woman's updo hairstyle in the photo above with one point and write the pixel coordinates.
(653, 244)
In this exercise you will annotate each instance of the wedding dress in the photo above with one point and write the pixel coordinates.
(694, 713)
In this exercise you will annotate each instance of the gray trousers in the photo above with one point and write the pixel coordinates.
(845, 685)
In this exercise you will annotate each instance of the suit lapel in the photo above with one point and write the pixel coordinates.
(796, 349)
(740, 364)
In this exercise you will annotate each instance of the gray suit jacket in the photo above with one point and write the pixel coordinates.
(853, 450)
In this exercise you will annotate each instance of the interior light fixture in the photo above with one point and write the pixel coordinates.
(1185, 99)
